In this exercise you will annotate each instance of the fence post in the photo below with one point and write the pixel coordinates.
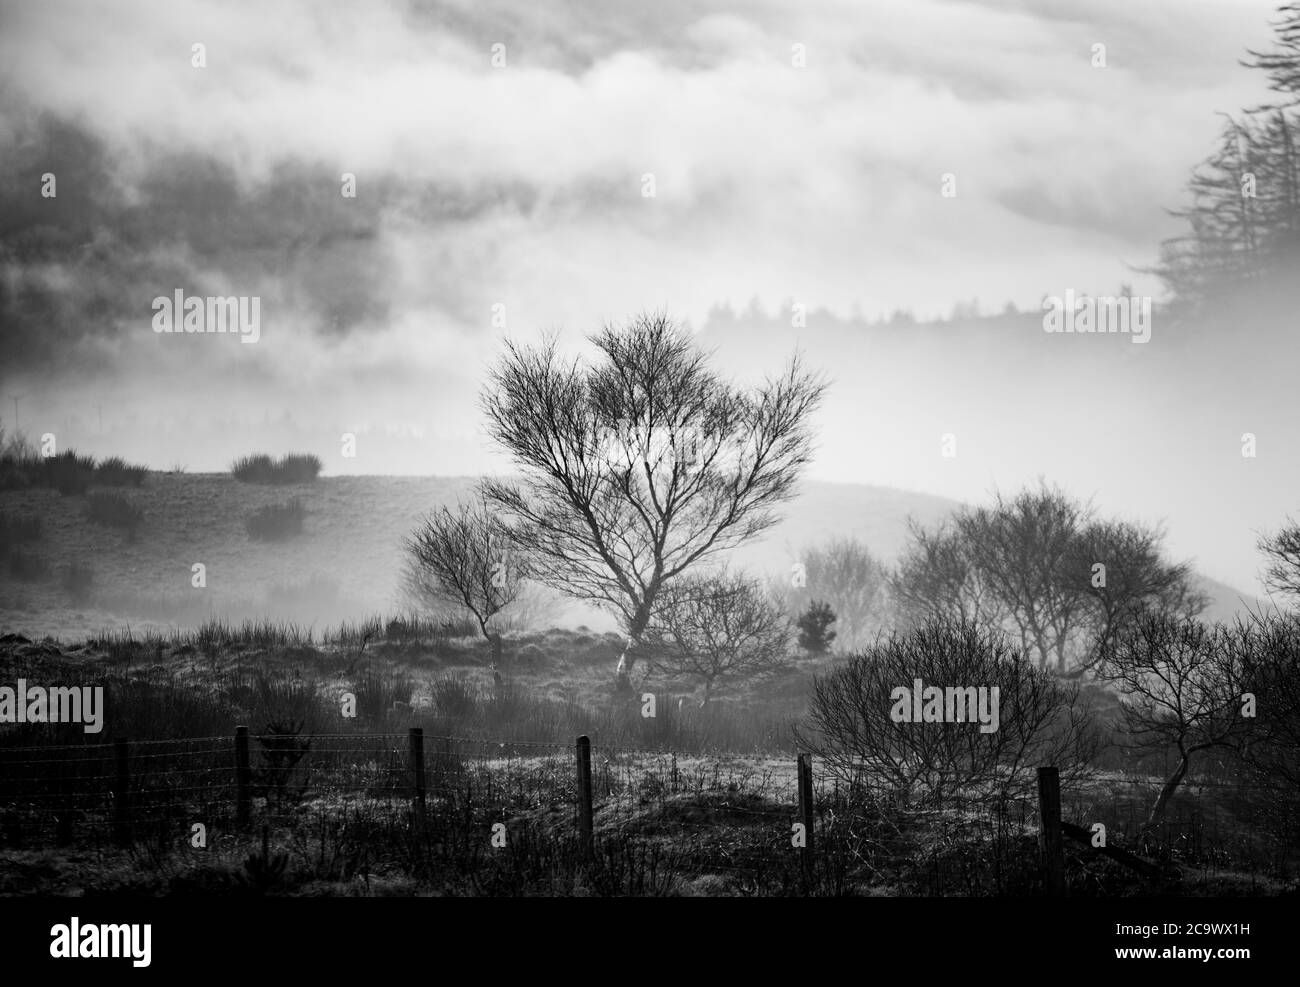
(121, 804)
(243, 778)
(1050, 841)
(417, 766)
(584, 794)
(806, 812)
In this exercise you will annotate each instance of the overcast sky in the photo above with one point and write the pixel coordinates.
(522, 185)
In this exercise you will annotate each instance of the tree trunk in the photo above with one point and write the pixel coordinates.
(627, 659)
(1166, 793)
(708, 692)
(622, 680)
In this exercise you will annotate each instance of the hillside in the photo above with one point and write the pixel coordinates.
(347, 563)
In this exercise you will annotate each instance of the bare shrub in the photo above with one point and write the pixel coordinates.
(1040, 565)
(714, 628)
(1267, 650)
(1040, 720)
(1180, 680)
(461, 560)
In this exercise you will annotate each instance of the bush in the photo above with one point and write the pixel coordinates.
(1267, 649)
(114, 510)
(454, 698)
(117, 472)
(1037, 719)
(843, 574)
(22, 466)
(718, 628)
(277, 521)
(79, 582)
(261, 468)
(298, 467)
(377, 692)
(68, 473)
(815, 635)
(20, 463)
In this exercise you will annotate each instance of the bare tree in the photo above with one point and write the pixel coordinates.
(642, 466)
(718, 627)
(1137, 581)
(1022, 549)
(1282, 554)
(1038, 719)
(937, 580)
(1041, 566)
(464, 557)
(1267, 648)
(845, 575)
(1180, 688)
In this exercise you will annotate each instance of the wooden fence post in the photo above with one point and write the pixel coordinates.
(1050, 842)
(585, 837)
(122, 801)
(243, 778)
(417, 766)
(806, 812)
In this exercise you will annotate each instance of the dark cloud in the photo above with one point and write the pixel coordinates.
(88, 262)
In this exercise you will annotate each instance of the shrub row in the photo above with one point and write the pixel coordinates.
(69, 472)
(260, 468)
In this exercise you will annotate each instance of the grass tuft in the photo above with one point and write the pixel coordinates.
(296, 467)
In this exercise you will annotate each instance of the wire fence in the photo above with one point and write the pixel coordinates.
(728, 814)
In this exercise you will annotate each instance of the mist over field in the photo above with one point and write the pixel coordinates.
(521, 188)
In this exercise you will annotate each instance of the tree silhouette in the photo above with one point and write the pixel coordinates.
(717, 627)
(641, 466)
(1062, 582)
(815, 635)
(462, 557)
(1244, 215)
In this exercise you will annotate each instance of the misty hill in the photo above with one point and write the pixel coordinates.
(347, 563)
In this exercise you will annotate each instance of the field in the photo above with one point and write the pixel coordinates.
(346, 565)
(686, 802)
(282, 635)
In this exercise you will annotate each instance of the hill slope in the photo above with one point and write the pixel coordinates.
(347, 563)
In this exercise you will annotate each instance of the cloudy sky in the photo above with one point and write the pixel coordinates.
(520, 184)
